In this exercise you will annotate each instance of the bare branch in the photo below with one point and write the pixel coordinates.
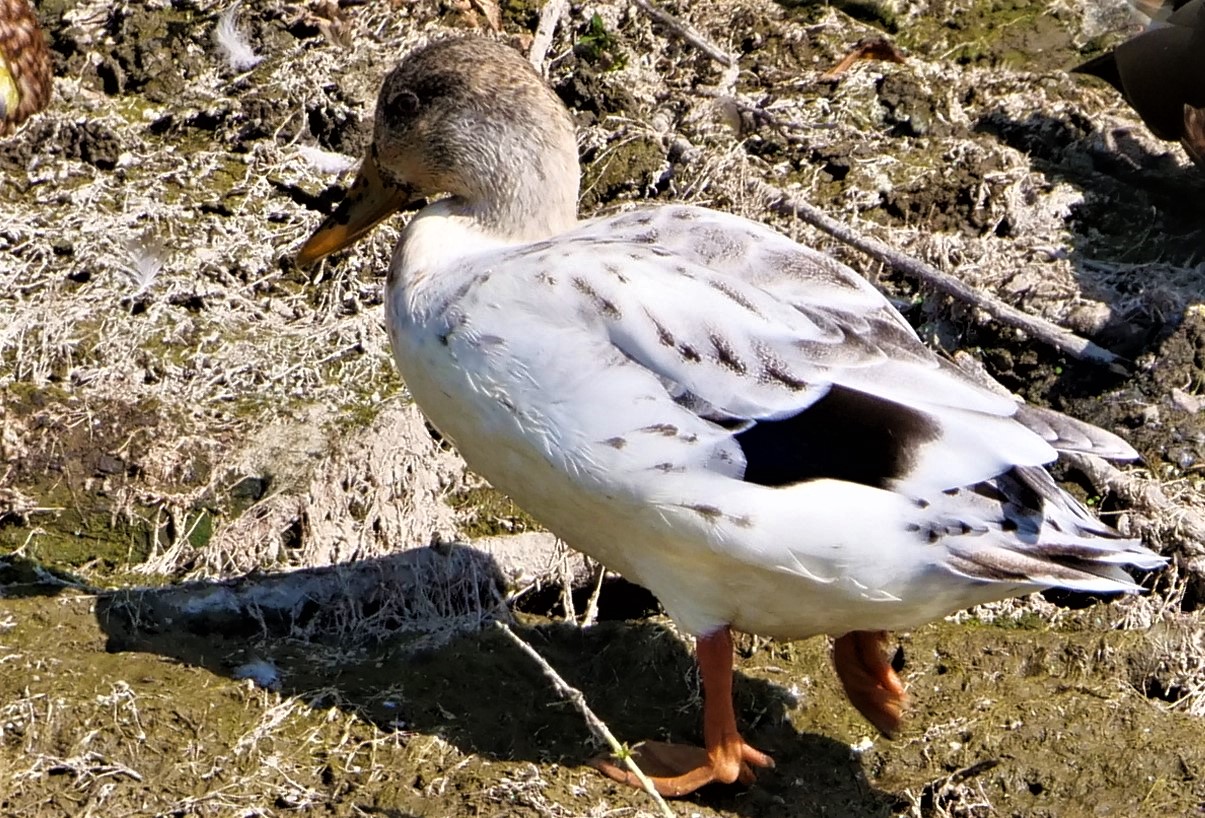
(597, 725)
(1061, 339)
(550, 16)
(686, 32)
(1163, 518)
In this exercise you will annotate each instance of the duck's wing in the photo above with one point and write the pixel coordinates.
(1187, 13)
(1163, 69)
(684, 343)
(807, 368)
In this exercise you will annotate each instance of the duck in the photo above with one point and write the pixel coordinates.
(25, 66)
(1161, 74)
(738, 422)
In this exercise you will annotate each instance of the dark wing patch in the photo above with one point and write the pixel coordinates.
(846, 435)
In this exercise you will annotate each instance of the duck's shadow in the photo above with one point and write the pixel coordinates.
(472, 686)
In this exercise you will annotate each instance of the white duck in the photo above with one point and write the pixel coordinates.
(737, 422)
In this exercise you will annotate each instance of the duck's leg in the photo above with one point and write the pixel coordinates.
(1194, 134)
(869, 680)
(680, 769)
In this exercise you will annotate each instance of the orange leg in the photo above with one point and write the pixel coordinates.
(869, 681)
(680, 769)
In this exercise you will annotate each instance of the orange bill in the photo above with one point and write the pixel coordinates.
(369, 201)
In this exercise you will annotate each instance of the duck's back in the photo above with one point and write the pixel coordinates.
(745, 426)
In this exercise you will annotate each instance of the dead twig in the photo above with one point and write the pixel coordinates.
(550, 16)
(760, 115)
(686, 32)
(591, 613)
(597, 726)
(1061, 339)
(1146, 496)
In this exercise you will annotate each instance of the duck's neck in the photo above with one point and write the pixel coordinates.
(436, 239)
(441, 237)
(526, 191)
(523, 202)
(530, 198)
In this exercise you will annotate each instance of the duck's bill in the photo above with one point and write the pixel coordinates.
(369, 201)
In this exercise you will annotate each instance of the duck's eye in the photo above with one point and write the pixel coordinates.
(403, 104)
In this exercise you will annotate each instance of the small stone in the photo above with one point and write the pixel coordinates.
(1186, 402)
(1088, 318)
(108, 464)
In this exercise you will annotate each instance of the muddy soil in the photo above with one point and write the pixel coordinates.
(1010, 720)
(179, 403)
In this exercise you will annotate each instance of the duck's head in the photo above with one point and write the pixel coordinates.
(470, 118)
(25, 67)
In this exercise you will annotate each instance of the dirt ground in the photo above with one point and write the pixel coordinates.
(216, 500)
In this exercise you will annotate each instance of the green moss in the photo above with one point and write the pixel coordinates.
(600, 47)
(88, 485)
(628, 167)
(521, 15)
(77, 536)
(25, 397)
(487, 512)
(199, 526)
(1015, 33)
(874, 12)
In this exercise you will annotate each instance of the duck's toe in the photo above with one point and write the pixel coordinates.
(869, 680)
(676, 770)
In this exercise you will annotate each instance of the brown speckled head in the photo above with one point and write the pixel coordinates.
(25, 67)
(471, 118)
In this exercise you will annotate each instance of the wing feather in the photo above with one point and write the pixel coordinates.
(746, 329)
(712, 350)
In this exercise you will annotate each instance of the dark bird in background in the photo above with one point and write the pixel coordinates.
(25, 67)
(1161, 74)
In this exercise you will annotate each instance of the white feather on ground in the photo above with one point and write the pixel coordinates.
(233, 43)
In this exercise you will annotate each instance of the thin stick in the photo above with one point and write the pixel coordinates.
(591, 613)
(597, 726)
(1183, 523)
(550, 16)
(567, 585)
(762, 115)
(1059, 338)
(686, 32)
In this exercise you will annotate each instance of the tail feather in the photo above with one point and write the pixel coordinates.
(1105, 67)
(1073, 567)
(1043, 538)
(1066, 434)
